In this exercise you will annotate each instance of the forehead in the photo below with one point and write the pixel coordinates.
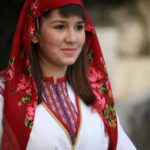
(55, 14)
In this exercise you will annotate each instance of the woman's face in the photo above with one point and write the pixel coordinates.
(60, 39)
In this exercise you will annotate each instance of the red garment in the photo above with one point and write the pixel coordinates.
(20, 90)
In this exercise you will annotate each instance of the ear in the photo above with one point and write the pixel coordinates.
(35, 37)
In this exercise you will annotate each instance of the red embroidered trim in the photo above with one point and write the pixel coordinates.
(79, 114)
(68, 106)
(51, 100)
(59, 80)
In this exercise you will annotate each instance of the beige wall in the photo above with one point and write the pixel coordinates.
(129, 75)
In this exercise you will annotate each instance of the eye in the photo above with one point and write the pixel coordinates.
(79, 27)
(59, 27)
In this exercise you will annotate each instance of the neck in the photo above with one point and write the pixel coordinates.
(53, 70)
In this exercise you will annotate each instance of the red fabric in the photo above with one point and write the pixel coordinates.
(20, 91)
(9, 141)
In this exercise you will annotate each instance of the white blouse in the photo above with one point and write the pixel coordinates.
(48, 134)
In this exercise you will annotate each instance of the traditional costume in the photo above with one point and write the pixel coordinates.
(62, 121)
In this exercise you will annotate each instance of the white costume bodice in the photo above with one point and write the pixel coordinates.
(48, 134)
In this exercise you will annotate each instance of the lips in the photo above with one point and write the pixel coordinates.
(69, 50)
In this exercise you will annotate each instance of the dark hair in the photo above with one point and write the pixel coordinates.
(76, 73)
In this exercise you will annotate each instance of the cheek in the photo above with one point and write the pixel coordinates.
(49, 39)
(82, 39)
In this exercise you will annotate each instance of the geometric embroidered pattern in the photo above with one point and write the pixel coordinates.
(58, 101)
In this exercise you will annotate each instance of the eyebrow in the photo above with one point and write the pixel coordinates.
(62, 21)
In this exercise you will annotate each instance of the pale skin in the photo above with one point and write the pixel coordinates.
(60, 42)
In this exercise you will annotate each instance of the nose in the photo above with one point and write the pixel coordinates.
(71, 36)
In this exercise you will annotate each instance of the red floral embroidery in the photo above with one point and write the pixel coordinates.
(24, 85)
(96, 81)
(110, 114)
(94, 76)
(30, 114)
(31, 30)
(34, 13)
(101, 88)
(100, 98)
(11, 69)
(109, 89)
(90, 56)
(31, 111)
(10, 72)
(34, 9)
(27, 88)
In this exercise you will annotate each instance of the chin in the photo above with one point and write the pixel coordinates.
(70, 62)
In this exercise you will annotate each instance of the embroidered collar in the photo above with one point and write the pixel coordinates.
(57, 101)
(58, 81)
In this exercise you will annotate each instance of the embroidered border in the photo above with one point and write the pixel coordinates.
(62, 125)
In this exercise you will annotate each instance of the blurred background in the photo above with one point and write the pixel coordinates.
(123, 29)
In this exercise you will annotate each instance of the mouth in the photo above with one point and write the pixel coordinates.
(69, 50)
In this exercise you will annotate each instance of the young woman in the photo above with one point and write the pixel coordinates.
(55, 92)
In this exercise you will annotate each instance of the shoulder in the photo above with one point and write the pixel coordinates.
(2, 81)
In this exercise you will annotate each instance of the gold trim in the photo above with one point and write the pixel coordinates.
(77, 138)
(63, 128)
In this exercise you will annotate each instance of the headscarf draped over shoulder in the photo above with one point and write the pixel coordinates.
(20, 90)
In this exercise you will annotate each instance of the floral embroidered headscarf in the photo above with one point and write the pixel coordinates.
(21, 95)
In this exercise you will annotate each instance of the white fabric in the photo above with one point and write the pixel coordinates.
(47, 130)
(47, 134)
(1, 110)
